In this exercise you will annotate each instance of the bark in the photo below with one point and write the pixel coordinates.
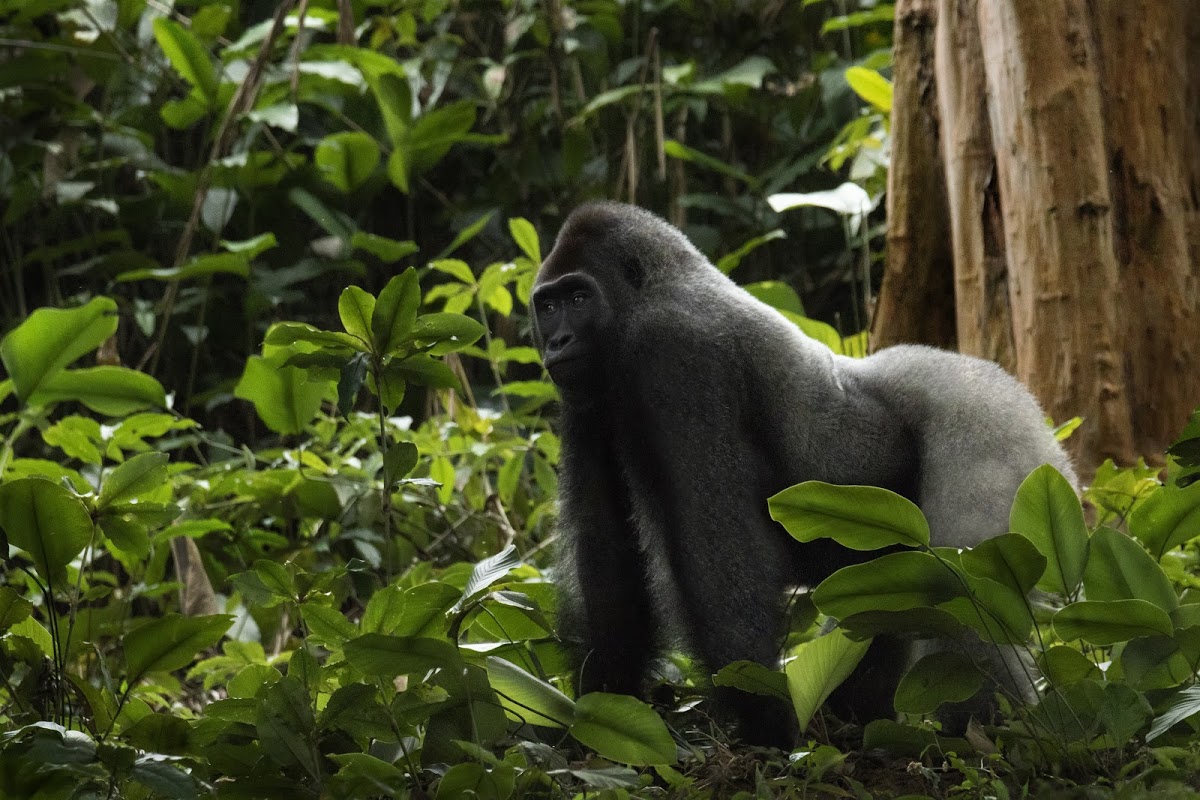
(1146, 67)
(1044, 104)
(984, 319)
(916, 301)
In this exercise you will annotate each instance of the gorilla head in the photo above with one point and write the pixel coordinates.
(686, 404)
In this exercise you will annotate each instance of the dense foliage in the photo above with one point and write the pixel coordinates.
(216, 348)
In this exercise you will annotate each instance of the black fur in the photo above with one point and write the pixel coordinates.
(687, 402)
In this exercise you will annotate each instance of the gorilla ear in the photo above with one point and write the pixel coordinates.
(632, 269)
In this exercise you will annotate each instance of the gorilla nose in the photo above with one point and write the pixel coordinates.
(560, 341)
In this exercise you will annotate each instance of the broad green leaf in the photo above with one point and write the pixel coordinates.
(197, 267)
(894, 582)
(282, 334)
(417, 611)
(398, 169)
(750, 676)
(815, 329)
(996, 611)
(871, 86)
(433, 133)
(424, 370)
(327, 625)
(1169, 517)
(921, 623)
(13, 608)
(395, 104)
(527, 698)
(456, 268)
(622, 728)
(473, 780)
(46, 521)
(818, 668)
(139, 475)
(285, 399)
(1047, 512)
(115, 391)
(526, 237)
(356, 307)
(446, 332)
(946, 676)
(125, 532)
(1063, 665)
(347, 159)
(1107, 622)
(171, 642)
(1161, 662)
(400, 459)
(51, 339)
(386, 250)
(188, 56)
(858, 517)
(1009, 559)
(351, 376)
(377, 655)
(286, 727)
(1119, 569)
(396, 311)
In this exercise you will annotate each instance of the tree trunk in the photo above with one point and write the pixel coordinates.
(1070, 144)
(919, 269)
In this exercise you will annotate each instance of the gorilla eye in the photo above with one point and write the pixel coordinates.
(578, 298)
(548, 306)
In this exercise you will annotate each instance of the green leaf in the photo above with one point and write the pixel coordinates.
(335, 223)
(997, 612)
(1047, 512)
(13, 608)
(125, 532)
(818, 668)
(252, 248)
(356, 306)
(871, 86)
(1187, 703)
(327, 626)
(378, 655)
(446, 332)
(52, 338)
(622, 728)
(946, 676)
(467, 234)
(1119, 569)
(729, 261)
(487, 572)
(893, 582)
(526, 237)
(424, 370)
(137, 476)
(115, 391)
(400, 459)
(283, 334)
(1063, 665)
(1107, 622)
(46, 521)
(171, 642)
(286, 727)
(1009, 559)
(386, 250)
(351, 375)
(198, 267)
(527, 698)
(684, 153)
(750, 676)
(1169, 517)
(188, 56)
(435, 132)
(396, 311)
(285, 399)
(779, 295)
(347, 159)
(394, 96)
(471, 780)
(858, 517)
(458, 269)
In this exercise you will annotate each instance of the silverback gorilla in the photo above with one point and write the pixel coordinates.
(686, 403)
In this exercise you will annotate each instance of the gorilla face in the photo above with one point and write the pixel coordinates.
(573, 318)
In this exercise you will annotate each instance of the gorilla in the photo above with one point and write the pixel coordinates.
(686, 403)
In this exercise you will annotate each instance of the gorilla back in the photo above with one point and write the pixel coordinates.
(687, 403)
